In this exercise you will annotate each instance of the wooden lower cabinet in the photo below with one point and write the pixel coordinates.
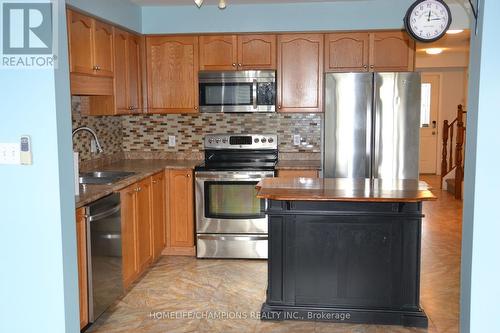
(158, 208)
(180, 232)
(298, 173)
(128, 197)
(136, 212)
(144, 230)
(81, 246)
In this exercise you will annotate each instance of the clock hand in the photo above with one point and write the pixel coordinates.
(429, 18)
(437, 19)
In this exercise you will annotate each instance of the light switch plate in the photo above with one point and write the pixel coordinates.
(9, 153)
(171, 140)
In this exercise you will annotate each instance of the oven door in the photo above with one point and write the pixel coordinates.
(240, 91)
(226, 202)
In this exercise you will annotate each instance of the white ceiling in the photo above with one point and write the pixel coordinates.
(229, 2)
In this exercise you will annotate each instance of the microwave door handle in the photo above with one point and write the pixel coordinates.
(254, 94)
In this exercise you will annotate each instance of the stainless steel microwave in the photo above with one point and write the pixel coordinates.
(237, 91)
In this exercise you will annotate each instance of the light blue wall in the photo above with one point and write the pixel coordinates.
(343, 15)
(121, 12)
(480, 293)
(39, 281)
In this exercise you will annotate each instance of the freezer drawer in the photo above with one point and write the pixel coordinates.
(231, 246)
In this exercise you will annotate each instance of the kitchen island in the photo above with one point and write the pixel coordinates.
(344, 250)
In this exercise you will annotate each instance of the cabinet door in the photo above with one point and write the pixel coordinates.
(391, 51)
(80, 43)
(218, 52)
(103, 48)
(172, 67)
(144, 249)
(134, 89)
(346, 52)
(81, 246)
(129, 234)
(300, 72)
(257, 52)
(158, 213)
(181, 208)
(121, 68)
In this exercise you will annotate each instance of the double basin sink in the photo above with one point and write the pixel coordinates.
(103, 177)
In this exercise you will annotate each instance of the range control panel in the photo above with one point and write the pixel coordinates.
(241, 141)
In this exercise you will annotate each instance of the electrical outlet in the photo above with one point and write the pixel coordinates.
(93, 146)
(296, 139)
(171, 140)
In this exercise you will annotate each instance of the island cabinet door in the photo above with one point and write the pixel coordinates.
(349, 261)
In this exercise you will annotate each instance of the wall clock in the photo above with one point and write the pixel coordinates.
(427, 20)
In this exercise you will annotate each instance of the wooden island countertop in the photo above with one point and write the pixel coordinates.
(343, 189)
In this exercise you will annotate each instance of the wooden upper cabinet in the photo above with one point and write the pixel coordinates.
(181, 233)
(81, 245)
(257, 52)
(144, 247)
(218, 52)
(128, 72)
(121, 69)
(347, 52)
(103, 48)
(134, 74)
(129, 234)
(80, 43)
(172, 68)
(391, 51)
(158, 213)
(300, 72)
(90, 45)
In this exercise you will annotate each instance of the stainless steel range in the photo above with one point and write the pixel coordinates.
(230, 222)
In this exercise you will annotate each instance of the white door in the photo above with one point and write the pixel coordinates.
(428, 123)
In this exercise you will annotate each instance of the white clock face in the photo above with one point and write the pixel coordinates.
(429, 19)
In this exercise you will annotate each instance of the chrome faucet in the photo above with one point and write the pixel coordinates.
(91, 131)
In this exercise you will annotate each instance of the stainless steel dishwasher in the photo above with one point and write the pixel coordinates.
(104, 253)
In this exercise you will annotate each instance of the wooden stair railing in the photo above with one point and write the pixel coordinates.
(455, 159)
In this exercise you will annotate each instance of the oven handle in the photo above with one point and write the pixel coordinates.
(228, 237)
(237, 178)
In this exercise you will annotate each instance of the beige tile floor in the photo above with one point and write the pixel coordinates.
(188, 286)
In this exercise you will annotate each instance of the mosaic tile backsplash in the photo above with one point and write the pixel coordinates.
(150, 132)
(107, 128)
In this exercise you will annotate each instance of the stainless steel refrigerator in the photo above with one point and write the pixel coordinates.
(371, 125)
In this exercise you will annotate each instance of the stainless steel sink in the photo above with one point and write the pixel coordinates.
(103, 177)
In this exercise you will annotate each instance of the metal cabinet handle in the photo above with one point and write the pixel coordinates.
(279, 106)
(154, 181)
(188, 175)
(239, 65)
(372, 66)
(365, 66)
(196, 108)
(234, 65)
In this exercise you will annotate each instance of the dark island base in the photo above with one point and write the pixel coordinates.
(344, 315)
(351, 262)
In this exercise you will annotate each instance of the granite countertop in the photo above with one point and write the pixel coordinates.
(343, 189)
(298, 165)
(143, 169)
